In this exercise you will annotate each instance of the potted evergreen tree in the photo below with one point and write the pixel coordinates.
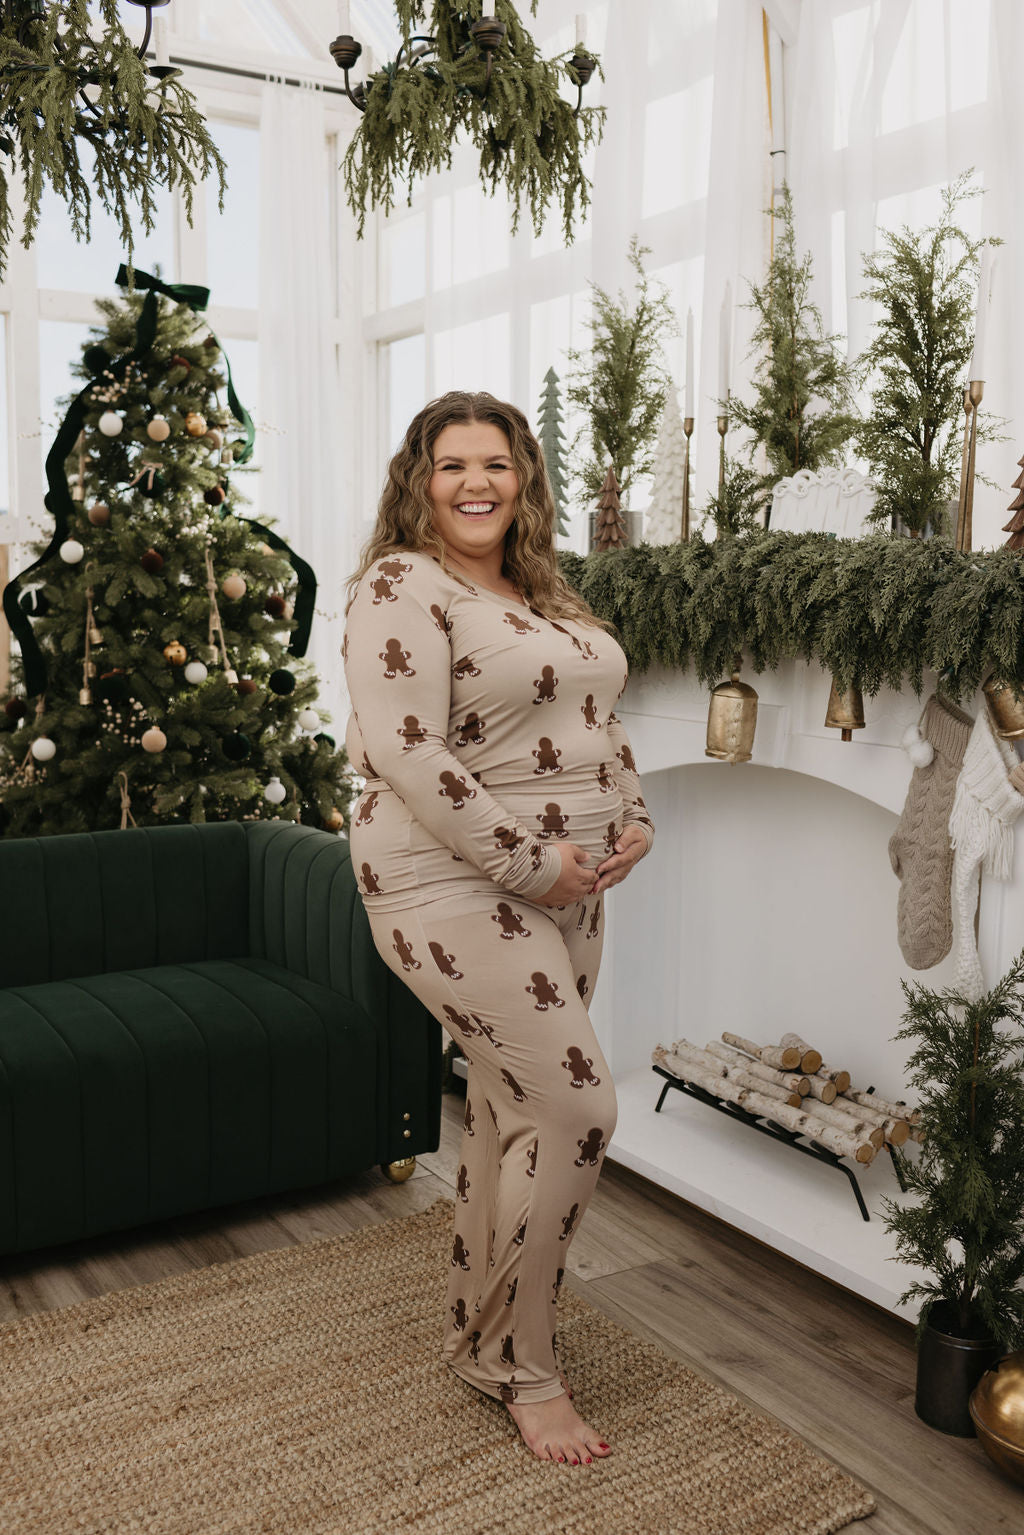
(967, 1224)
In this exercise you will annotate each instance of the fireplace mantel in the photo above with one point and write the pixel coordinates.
(768, 902)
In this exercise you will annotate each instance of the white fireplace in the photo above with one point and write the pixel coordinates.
(768, 903)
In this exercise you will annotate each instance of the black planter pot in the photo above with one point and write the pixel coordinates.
(948, 1369)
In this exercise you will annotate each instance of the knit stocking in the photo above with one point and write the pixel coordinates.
(985, 807)
(919, 848)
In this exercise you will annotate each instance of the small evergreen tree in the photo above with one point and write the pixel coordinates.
(1015, 526)
(552, 441)
(621, 383)
(609, 529)
(924, 283)
(803, 386)
(737, 507)
(663, 520)
(169, 694)
(968, 1226)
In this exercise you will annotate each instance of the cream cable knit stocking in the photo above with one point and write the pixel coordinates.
(985, 807)
(919, 848)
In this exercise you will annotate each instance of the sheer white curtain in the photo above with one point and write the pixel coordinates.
(889, 101)
(307, 441)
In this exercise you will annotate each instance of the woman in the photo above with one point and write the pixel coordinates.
(501, 801)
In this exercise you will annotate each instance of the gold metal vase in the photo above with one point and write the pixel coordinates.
(732, 716)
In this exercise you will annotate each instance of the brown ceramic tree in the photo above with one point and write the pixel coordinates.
(610, 531)
(1015, 526)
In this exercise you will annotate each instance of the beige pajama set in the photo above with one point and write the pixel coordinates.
(486, 735)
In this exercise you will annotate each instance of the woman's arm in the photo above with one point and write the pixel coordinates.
(398, 664)
(634, 810)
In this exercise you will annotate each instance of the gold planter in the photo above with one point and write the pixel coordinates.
(732, 716)
(845, 711)
(1005, 711)
(997, 1412)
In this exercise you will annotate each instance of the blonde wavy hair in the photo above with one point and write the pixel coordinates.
(405, 515)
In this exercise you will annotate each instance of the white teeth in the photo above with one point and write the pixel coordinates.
(476, 508)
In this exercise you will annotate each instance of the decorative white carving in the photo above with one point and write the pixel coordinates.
(824, 501)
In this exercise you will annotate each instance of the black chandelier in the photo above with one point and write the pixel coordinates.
(487, 34)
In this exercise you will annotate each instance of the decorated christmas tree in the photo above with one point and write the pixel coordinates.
(552, 440)
(1015, 526)
(609, 529)
(160, 629)
(663, 520)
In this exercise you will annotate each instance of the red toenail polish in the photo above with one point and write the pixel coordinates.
(603, 1445)
(588, 1460)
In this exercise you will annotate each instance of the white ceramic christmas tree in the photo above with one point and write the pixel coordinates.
(663, 518)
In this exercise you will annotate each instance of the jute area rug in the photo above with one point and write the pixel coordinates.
(303, 1390)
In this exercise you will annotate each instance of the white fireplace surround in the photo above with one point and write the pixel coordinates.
(768, 903)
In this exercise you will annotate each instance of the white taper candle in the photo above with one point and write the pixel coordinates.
(688, 399)
(581, 29)
(981, 322)
(344, 18)
(724, 345)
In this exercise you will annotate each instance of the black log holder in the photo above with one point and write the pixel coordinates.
(794, 1138)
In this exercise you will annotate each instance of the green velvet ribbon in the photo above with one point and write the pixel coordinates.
(58, 497)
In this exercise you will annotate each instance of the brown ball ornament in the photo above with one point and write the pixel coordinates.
(334, 820)
(176, 653)
(245, 685)
(233, 586)
(152, 561)
(16, 708)
(195, 424)
(99, 514)
(214, 496)
(215, 437)
(275, 605)
(159, 429)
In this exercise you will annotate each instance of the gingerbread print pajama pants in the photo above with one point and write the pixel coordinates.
(509, 980)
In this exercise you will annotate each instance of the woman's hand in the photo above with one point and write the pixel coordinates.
(575, 880)
(629, 849)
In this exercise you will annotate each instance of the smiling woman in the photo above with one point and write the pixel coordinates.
(473, 488)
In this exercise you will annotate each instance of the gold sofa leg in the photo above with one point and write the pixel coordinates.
(399, 1171)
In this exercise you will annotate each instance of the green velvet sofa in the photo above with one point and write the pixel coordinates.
(194, 1015)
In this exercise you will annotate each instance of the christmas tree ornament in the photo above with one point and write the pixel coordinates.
(919, 848)
(996, 1407)
(919, 750)
(215, 437)
(71, 551)
(158, 429)
(214, 496)
(289, 612)
(95, 636)
(154, 740)
(845, 711)
(236, 747)
(227, 458)
(149, 479)
(111, 424)
(274, 605)
(233, 586)
(1007, 712)
(152, 561)
(16, 708)
(231, 676)
(99, 514)
(85, 695)
(246, 686)
(175, 653)
(212, 655)
(177, 361)
(43, 749)
(196, 672)
(210, 341)
(325, 739)
(195, 424)
(308, 719)
(275, 793)
(732, 717)
(282, 681)
(334, 820)
(113, 685)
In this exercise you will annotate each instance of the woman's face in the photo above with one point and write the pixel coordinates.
(473, 487)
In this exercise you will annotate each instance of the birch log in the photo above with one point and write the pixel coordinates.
(810, 1060)
(897, 1131)
(822, 1088)
(896, 1110)
(772, 1055)
(842, 1079)
(791, 1081)
(860, 1128)
(805, 1123)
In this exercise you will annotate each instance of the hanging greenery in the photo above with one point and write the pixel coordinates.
(61, 88)
(620, 384)
(876, 611)
(924, 283)
(529, 138)
(803, 386)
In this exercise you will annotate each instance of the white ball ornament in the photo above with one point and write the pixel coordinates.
(916, 747)
(43, 749)
(71, 551)
(111, 424)
(233, 586)
(154, 740)
(309, 720)
(275, 792)
(196, 672)
(159, 429)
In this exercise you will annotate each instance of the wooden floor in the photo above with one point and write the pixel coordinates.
(835, 1369)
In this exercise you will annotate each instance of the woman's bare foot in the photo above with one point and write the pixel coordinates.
(554, 1430)
(565, 1383)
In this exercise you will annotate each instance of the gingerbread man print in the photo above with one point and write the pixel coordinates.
(444, 962)
(412, 732)
(580, 1068)
(367, 805)
(545, 684)
(403, 949)
(368, 880)
(464, 668)
(511, 922)
(547, 755)
(553, 822)
(462, 1182)
(545, 991)
(591, 1148)
(455, 788)
(460, 1319)
(396, 659)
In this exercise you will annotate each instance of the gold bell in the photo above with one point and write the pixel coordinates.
(1005, 711)
(845, 711)
(732, 716)
(85, 695)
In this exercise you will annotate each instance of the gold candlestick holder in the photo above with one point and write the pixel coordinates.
(973, 396)
(684, 534)
(723, 427)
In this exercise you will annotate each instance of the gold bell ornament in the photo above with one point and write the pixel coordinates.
(996, 1406)
(845, 711)
(732, 717)
(1005, 711)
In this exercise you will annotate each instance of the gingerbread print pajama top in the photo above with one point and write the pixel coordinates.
(486, 734)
